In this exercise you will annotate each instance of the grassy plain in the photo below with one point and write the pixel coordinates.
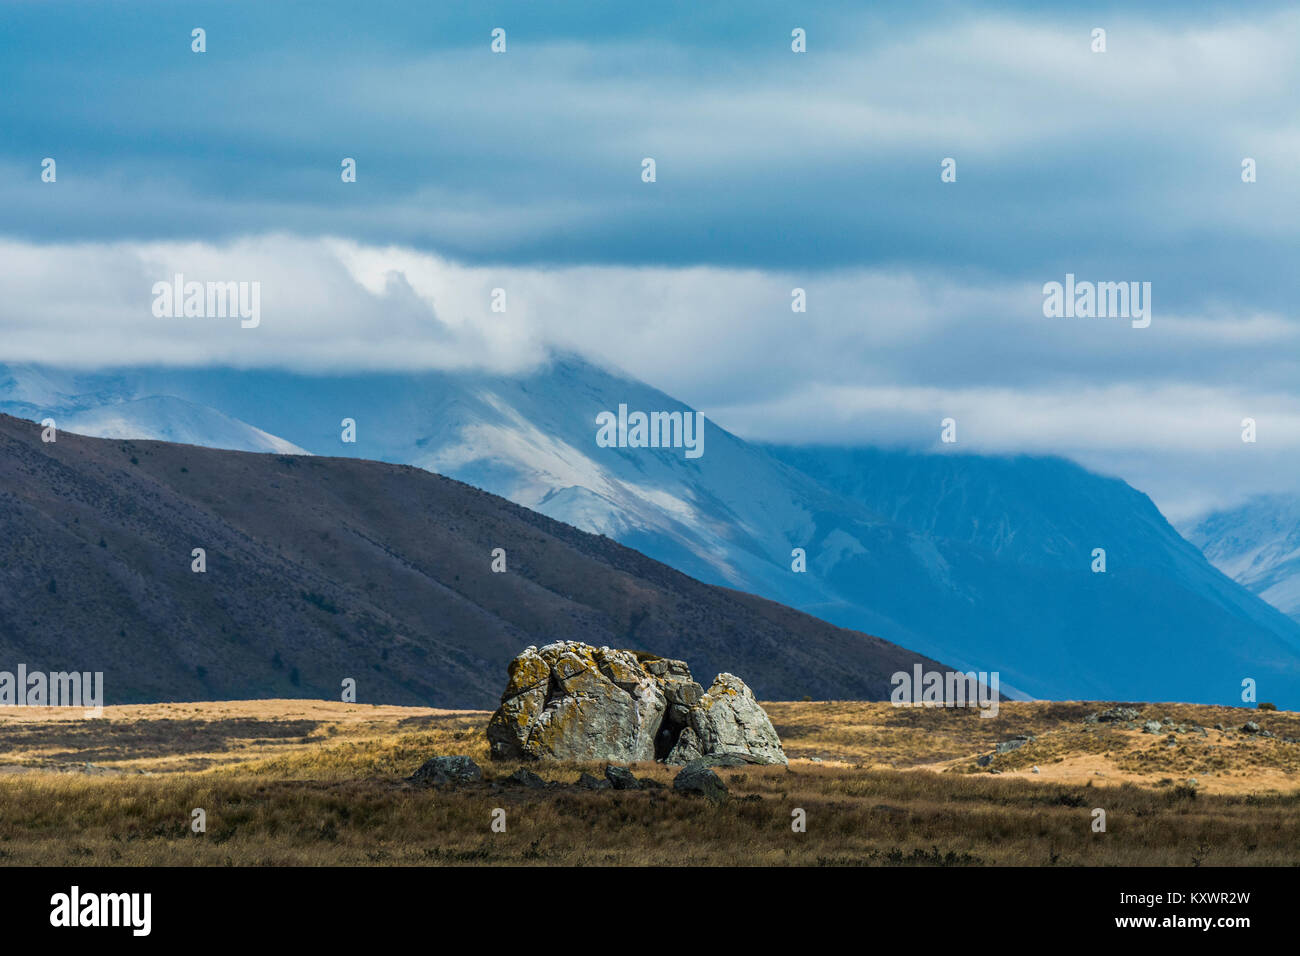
(321, 783)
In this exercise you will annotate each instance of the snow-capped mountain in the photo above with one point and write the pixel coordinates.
(983, 563)
(1258, 545)
(108, 409)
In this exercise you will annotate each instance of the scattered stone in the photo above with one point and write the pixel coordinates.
(572, 701)
(1250, 727)
(1015, 743)
(437, 771)
(620, 778)
(526, 778)
(1151, 727)
(1114, 715)
(983, 760)
(1035, 770)
(588, 782)
(701, 780)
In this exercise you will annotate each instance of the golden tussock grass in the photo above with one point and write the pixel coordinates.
(316, 783)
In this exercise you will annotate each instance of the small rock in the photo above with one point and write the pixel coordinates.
(1151, 727)
(719, 760)
(1250, 727)
(620, 778)
(1115, 715)
(588, 782)
(701, 780)
(1015, 743)
(983, 760)
(526, 778)
(437, 771)
(1035, 770)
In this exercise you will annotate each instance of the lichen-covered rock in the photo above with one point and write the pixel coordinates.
(687, 747)
(572, 701)
(442, 770)
(728, 720)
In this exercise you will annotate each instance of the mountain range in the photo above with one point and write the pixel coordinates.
(982, 562)
(315, 570)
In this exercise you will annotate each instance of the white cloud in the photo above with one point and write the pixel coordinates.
(880, 355)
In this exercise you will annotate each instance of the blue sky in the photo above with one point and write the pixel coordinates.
(819, 170)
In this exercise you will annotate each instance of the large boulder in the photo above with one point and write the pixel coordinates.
(728, 720)
(572, 701)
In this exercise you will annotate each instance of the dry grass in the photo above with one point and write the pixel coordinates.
(316, 783)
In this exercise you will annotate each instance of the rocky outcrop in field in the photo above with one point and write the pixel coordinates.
(572, 701)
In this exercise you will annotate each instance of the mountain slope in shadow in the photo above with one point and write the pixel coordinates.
(322, 569)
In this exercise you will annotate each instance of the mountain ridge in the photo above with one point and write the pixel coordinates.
(986, 570)
(319, 569)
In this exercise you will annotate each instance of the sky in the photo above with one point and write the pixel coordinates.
(775, 170)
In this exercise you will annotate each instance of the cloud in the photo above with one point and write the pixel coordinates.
(818, 171)
(830, 159)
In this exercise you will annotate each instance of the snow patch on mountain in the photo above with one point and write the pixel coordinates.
(1258, 545)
